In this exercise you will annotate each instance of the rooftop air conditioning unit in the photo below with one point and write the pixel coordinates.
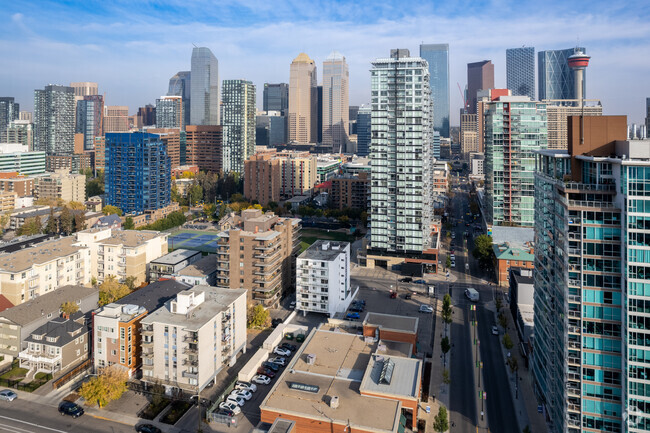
(334, 402)
(311, 359)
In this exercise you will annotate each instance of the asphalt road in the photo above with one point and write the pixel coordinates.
(21, 416)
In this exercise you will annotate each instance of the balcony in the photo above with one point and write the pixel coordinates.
(191, 338)
(191, 349)
(190, 374)
(191, 362)
(39, 357)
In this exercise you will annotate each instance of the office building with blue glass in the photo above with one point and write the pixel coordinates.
(555, 77)
(138, 172)
(520, 71)
(437, 55)
(592, 265)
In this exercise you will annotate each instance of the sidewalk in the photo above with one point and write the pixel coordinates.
(523, 395)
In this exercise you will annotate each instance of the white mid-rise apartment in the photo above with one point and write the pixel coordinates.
(192, 337)
(323, 278)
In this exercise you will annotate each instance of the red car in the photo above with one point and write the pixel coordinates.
(266, 372)
(393, 295)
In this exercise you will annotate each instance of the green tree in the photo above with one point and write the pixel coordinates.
(507, 342)
(111, 290)
(446, 379)
(106, 387)
(258, 317)
(130, 282)
(483, 248)
(209, 209)
(79, 222)
(236, 198)
(195, 194)
(503, 320)
(66, 221)
(445, 345)
(441, 420)
(512, 363)
(448, 262)
(93, 281)
(69, 307)
(110, 210)
(52, 225)
(446, 309)
(128, 223)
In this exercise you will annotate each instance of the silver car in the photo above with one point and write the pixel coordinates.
(8, 395)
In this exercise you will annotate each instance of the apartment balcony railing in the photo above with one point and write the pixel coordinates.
(190, 374)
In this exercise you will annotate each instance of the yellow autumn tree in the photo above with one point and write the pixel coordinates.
(106, 387)
(111, 290)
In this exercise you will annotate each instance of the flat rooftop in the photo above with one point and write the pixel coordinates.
(216, 301)
(404, 381)
(391, 322)
(200, 268)
(336, 363)
(154, 295)
(324, 250)
(175, 257)
(44, 252)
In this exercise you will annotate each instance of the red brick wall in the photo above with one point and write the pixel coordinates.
(307, 425)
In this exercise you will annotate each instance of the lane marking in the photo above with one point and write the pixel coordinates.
(32, 424)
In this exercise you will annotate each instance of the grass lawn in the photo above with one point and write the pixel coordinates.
(309, 236)
(42, 376)
(15, 373)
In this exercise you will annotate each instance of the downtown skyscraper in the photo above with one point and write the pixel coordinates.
(276, 98)
(480, 76)
(239, 123)
(555, 77)
(9, 111)
(54, 120)
(437, 55)
(401, 190)
(90, 119)
(205, 91)
(336, 104)
(303, 100)
(181, 85)
(520, 71)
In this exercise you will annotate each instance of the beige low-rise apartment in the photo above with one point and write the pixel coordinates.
(61, 184)
(43, 268)
(189, 340)
(122, 253)
(259, 253)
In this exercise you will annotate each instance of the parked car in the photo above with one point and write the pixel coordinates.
(408, 296)
(226, 412)
(147, 428)
(266, 372)
(288, 346)
(282, 352)
(278, 360)
(360, 301)
(261, 379)
(353, 316)
(426, 309)
(246, 395)
(356, 309)
(292, 305)
(393, 295)
(69, 408)
(246, 386)
(419, 282)
(406, 280)
(495, 330)
(233, 398)
(271, 365)
(8, 395)
(275, 322)
(453, 264)
(231, 406)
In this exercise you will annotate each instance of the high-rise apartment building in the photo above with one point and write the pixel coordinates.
(169, 112)
(175, 141)
(90, 119)
(9, 111)
(364, 116)
(19, 131)
(61, 185)
(299, 173)
(84, 88)
(116, 118)
(437, 55)
(54, 120)
(276, 98)
(323, 278)
(258, 253)
(480, 76)
(515, 128)
(205, 91)
(180, 85)
(238, 119)
(555, 77)
(401, 189)
(204, 147)
(303, 100)
(590, 260)
(138, 172)
(263, 177)
(557, 112)
(336, 104)
(520, 71)
(26, 115)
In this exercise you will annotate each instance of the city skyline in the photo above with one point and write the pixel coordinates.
(114, 44)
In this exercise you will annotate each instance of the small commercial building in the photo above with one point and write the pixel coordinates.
(509, 257)
(201, 272)
(391, 327)
(171, 263)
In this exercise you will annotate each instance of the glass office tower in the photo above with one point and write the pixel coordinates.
(555, 78)
(520, 71)
(437, 55)
(181, 85)
(205, 91)
(276, 97)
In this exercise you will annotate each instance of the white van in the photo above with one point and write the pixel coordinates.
(471, 294)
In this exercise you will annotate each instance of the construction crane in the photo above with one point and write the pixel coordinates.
(462, 96)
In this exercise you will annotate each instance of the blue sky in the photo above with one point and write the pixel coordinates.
(131, 48)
